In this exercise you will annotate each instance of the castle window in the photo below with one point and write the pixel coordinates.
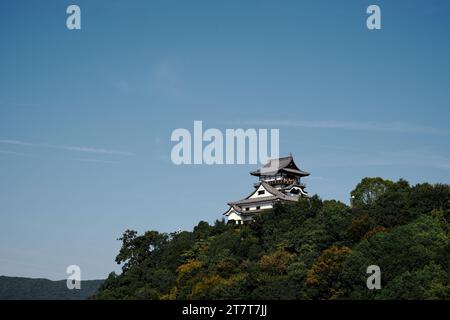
(260, 192)
(258, 207)
(246, 209)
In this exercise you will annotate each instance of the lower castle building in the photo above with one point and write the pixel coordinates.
(279, 180)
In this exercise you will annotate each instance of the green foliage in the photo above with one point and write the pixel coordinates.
(368, 191)
(404, 249)
(431, 282)
(325, 274)
(311, 249)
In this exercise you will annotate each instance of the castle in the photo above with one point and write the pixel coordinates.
(279, 180)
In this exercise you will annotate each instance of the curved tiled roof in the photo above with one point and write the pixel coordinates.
(276, 194)
(274, 166)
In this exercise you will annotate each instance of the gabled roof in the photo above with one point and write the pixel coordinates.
(275, 195)
(233, 207)
(267, 187)
(274, 166)
(278, 193)
(254, 200)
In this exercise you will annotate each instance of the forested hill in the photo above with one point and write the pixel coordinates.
(311, 249)
(17, 288)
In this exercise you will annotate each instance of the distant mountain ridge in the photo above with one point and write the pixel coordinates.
(18, 288)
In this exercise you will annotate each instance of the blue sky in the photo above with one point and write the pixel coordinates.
(86, 116)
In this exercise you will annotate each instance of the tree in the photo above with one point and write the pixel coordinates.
(135, 249)
(368, 191)
(429, 282)
(405, 248)
(325, 274)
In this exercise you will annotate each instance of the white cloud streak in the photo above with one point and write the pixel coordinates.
(421, 157)
(97, 161)
(418, 157)
(13, 153)
(67, 147)
(351, 125)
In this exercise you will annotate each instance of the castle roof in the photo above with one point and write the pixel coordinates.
(275, 166)
(275, 194)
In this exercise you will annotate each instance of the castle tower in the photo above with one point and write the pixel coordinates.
(279, 180)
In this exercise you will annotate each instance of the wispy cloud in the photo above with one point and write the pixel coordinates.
(420, 157)
(97, 161)
(399, 127)
(13, 153)
(18, 143)
(8, 152)
(93, 150)
(67, 147)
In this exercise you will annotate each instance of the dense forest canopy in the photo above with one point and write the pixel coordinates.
(312, 249)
